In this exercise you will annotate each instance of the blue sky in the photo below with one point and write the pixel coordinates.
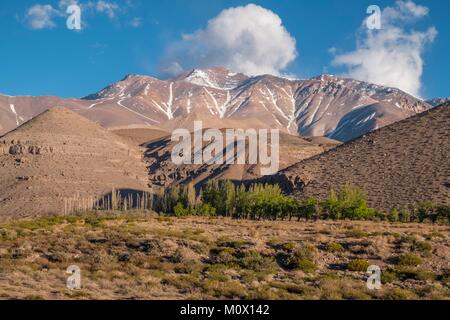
(139, 36)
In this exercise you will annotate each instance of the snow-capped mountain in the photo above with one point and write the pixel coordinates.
(322, 106)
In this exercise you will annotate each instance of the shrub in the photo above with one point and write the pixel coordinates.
(409, 259)
(408, 239)
(228, 289)
(302, 259)
(264, 292)
(217, 272)
(422, 247)
(393, 216)
(404, 216)
(229, 243)
(399, 294)
(445, 277)
(443, 212)
(180, 210)
(356, 233)
(288, 246)
(253, 260)
(206, 210)
(184, 281)
(425, 210)
(388, 276)
(405, 273)
(6, 234)
(222, 256)
(334, 247)
(285, 246)
(305, 265)
(358, 265)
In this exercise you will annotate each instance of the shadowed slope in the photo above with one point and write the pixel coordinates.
(398, 165)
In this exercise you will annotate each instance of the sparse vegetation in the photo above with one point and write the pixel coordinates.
(422, 247)
(300, 259)
(146, 256)
(409, 259)
(358, 265)
(334, 247)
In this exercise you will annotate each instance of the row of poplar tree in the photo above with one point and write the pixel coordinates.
(267, 201)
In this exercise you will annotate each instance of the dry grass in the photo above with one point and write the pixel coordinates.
(150, 257)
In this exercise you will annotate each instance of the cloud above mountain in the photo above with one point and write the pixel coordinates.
(249, 39)
(392, 56)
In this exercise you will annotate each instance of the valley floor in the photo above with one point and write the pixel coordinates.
(149, 257)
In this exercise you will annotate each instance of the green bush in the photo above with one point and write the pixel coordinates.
(443, 213)
(230, 243)
(358, 265)
(425, 211)
(253, 260)
(356, 233)
(181, 211)
(409, 259)
(423, 247)
(349, 203)
(393, 216)
(307, 209)
(399, 294)
(288, 246)
(406, 273)
(224, 256)
(388, 276)
(206, 210)
(334, 247)
(404, 216)
(445, 277)
(302, 259)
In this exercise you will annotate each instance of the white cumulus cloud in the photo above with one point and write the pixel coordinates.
(109, 8)
(248, 39)
(40, 16)
(392, 56)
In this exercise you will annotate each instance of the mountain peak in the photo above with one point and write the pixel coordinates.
(217, 78)
(315, 107)
(134, 76)
(326, 77)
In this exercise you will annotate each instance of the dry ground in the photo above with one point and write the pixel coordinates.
(149, 257)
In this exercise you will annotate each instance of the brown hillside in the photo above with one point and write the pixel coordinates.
(401, 164)
(164, 173)
(140, 135)
(58, 155)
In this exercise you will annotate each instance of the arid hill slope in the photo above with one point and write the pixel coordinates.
(164, 173)
(398, 165)
(58, 155)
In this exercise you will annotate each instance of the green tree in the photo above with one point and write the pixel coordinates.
(394, 215)
(331, 206)
(404, 215)
(229, 191)
(425, 211)
(307, 208)
(191, 195)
